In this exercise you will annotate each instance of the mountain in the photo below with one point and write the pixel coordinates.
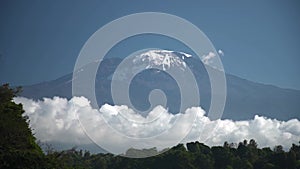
(244, 98)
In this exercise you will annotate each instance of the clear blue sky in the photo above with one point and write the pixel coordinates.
(40, 40)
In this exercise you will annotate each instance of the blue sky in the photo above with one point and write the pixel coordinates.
(40, 40)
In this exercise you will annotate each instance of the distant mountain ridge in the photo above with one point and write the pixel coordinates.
(244, 98)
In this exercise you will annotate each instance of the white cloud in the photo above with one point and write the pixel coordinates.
(55, 120)
(207, 59)
(221, 52)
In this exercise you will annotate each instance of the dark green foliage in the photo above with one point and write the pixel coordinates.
(17, 144)
(222, 157)
(196, 156)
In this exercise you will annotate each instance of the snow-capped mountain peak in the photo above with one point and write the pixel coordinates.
(162, 58)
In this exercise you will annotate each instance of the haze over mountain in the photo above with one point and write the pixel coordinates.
(245, 99)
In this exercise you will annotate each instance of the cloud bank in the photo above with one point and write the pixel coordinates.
(117, 128)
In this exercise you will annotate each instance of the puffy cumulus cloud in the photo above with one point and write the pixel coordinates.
(114, 128)
(56, 119)
(267, 132)
(221, 52)
(117, 128)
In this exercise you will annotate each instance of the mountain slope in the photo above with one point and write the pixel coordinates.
(244, 98)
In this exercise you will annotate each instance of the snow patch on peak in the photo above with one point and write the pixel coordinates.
(162, 58)
(186, 54)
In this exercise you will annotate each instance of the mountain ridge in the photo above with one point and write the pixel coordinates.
(245, 98)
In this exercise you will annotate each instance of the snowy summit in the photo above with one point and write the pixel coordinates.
(162, 58)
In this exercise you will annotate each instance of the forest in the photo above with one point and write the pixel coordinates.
(19, 149)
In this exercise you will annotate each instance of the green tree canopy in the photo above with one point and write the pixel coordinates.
(18, 148)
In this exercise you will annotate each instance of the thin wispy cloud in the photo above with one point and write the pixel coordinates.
(207, 59)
